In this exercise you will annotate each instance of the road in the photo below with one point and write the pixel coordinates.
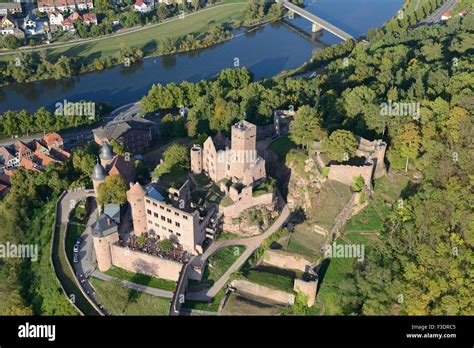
(122, 113)
(436, 15)
(251, 244)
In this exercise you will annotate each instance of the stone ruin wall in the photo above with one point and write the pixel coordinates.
(139, 262)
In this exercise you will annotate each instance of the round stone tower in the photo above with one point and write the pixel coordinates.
(106, 155)
(136, 198)
(196, 159)
(98, 177)
(104, 236)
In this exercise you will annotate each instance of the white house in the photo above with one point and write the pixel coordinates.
(141, 6)
(56, 18)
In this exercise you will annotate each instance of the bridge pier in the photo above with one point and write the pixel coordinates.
(315, 28)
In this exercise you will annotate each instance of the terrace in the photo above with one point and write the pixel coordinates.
(154, 245)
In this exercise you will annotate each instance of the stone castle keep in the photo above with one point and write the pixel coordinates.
(235, 169)
(240, 162)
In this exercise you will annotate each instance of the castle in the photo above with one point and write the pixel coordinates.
(236, 170)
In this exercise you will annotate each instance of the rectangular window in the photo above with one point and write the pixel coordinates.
(169, 221)
(148, 211)
(176, 213)
(178, 234)
(168, 210)
(155, 215)
(154, 204)
(170, 231)
(177, 224)
(161, 207)
(185, 217)
(148, 201)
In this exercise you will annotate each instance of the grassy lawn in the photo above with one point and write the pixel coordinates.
(119, 300)
(240, 304)
(218, 264)
(272, 277)
(147, 38)
(266, 186)
(369, 220)
(141, 279)
(202, 180)
(281, 147)
(175, 178)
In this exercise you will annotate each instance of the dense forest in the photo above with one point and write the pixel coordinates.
(423, 262)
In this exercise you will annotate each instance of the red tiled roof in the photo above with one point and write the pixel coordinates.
(139, 2)
(126, 169)
(446, 14)
(28, 164)
(44, 159)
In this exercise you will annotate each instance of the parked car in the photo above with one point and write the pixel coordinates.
(76, 248)
(75, 259)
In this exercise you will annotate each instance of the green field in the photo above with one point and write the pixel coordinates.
(119, 300)
(141, 279)
(360, 229)
(146, 38)
(272, 277)
(212, 306)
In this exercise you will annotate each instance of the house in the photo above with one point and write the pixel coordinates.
(84, 4)
(10, 8)
(46, 6)
(8, 26)
(134, 135)
(34, 155)
(445, 16)
(142, 7)
(55, 18)
(463, 13)
(90, 18)
(68, 24)
(75, 16)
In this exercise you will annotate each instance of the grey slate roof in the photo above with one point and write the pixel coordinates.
(106, 152)
(104, 226)
(118, 129)
(99, 172)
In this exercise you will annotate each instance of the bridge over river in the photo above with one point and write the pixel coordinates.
(318, 23)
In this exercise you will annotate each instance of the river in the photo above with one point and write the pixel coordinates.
(265, 51)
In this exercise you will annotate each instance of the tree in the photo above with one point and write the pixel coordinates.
(11, 42)
(117, 147)
(112, 191)
(406, 146)
(306, 126)
(341, 145)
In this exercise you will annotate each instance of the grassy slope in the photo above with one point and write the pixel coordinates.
(193, 23)
(360, 229)
(142, 279)
(119, 300)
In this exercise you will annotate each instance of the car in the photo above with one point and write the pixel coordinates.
(75, 259)
(76, 248)
(78, 241)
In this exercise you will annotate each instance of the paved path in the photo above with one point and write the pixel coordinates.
(134, 286)
(251, 244)
(84, 267)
